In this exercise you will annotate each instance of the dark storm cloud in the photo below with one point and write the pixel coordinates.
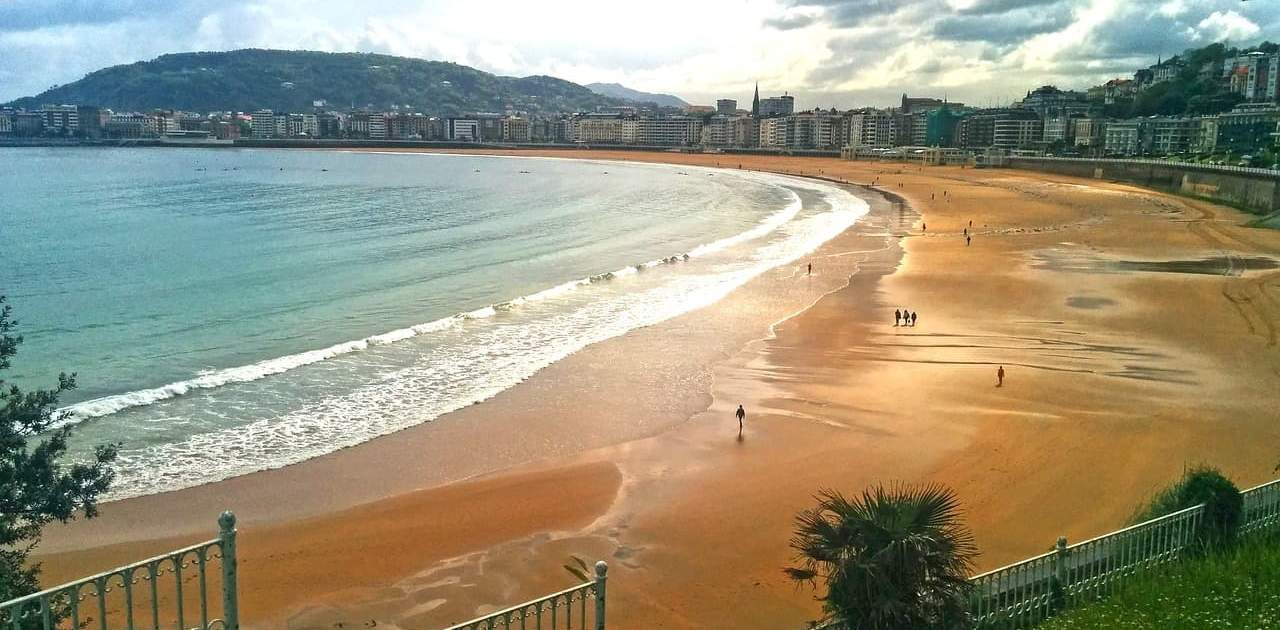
(1010, 27)
(24, 15)
(790, 22)
(850, 13)
(991, 7)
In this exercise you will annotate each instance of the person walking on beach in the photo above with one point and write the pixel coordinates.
(913, 319)
(897, 316)
(810, 270)
(967, 238)
(1000, 376)
(924, 227)
(741, 413)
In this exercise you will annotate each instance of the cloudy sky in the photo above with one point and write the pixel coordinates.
(825, 52)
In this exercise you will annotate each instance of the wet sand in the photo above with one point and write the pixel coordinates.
(1122, 368)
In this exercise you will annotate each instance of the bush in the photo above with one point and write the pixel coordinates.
(1223, 505)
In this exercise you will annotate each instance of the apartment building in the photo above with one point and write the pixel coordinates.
(874, 128)
(671, 131)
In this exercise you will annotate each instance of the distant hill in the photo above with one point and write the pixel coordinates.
(1197, 90)
(621, 91)
(251, 79)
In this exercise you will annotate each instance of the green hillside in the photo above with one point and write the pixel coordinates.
(246, 80)
(1198, 89)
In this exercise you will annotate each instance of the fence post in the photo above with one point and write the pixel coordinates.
(1060, 573)
(230, 603)
(601, 570)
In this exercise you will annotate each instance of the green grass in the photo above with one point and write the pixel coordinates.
(1236, 589)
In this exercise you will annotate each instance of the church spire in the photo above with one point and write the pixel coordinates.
(755, 102)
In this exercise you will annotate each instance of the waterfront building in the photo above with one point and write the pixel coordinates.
(6, 122)
(912, 128)
(601, 129)
(378, 126)
(224, 129)
(125, 125)
(746, 131)
(1172, 135)
(726, 107)
(515, 129)
(783, 105)
(1247, 128)
(1061, 129)
(567, 129)
(264, 124)
(1016, 129)
(630, 129)
(462, 129)
(1089, 132)
(490, 127)
(940, 127)
(773, 132)
(61, 120)
(1206, 140)
(815, 130)
(1125, 138)
(718, 131)
(874, 128)
(976, 131)
(669, 131)
(302, 126)
(542, 129)
(329, 125)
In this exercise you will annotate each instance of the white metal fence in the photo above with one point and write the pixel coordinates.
(1025, 593)
(556, 610)
(132, 596)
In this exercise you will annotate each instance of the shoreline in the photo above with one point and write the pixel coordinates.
(803, 199)
(429, 452)
(1114, 395)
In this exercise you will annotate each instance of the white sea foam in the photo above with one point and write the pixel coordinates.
(468, 357)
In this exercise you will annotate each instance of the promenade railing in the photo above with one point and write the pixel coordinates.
(1026, 593)
(1222, 168)
(557, 610)
(132, 597)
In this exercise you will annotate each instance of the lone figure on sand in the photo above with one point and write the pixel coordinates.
(999, 379)
(810, 270)
(741, 413)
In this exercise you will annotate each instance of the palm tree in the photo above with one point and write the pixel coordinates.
(896, 557)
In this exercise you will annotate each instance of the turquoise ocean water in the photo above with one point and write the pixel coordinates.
(235, 310)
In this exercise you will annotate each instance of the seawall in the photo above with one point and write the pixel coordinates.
(1255, 190)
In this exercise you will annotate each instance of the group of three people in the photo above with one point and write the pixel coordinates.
(904, 317)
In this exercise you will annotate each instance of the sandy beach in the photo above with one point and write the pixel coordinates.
(1137, 329)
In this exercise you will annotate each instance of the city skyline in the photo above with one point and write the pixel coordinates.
(826, 52)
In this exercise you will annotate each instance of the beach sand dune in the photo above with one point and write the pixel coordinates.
(1137, 330)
